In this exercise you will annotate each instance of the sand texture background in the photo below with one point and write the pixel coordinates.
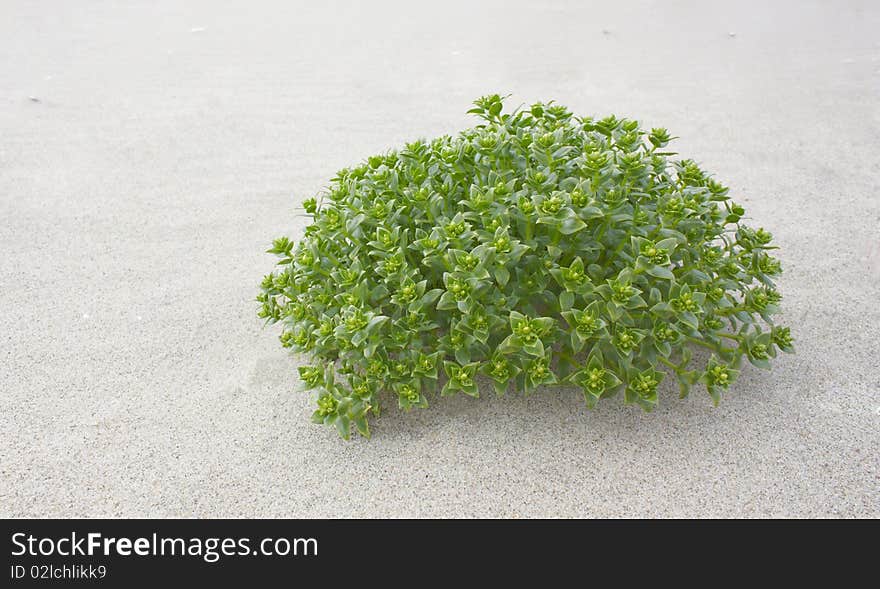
(150, 151)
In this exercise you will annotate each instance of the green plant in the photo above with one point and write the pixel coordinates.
(537, 248)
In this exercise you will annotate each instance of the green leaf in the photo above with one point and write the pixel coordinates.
(535, 348)
(760, 362)
(689, 319)
(715, 393)
(510, 344)
(447, 302)
(362, 426)
(514, 318)
(502, 276)
(343, 427)
(376, 322)
(432, 295)
(566, 300)
(500, 387)
(571, 225)
(588, 213)
(660, 272)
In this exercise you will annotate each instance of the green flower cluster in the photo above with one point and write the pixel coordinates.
(537, 248)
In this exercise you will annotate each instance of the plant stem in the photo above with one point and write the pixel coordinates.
(670, 364)
(702, 343)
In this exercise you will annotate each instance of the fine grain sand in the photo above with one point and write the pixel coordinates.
(150, 151)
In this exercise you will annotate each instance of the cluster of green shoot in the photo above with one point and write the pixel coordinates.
(538, 248)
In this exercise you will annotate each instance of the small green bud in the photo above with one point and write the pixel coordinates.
(327, 405)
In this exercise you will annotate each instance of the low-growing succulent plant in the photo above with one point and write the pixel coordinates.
(538, 248)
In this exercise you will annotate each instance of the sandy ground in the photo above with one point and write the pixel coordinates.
(149, 152)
